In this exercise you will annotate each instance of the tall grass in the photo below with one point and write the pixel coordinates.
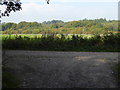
(53, 42)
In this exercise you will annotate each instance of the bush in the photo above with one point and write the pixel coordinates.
(108, 43)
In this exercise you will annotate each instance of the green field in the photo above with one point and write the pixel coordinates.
(40, 35)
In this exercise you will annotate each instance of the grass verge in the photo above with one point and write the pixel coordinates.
(9, 80)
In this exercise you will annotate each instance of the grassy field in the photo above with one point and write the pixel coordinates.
(61, 42)
(40, 35)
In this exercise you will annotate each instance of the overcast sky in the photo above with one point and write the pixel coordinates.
(66, 10)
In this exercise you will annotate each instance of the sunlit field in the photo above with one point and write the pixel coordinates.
(40, 35)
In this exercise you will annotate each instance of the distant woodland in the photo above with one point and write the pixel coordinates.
(96, 26)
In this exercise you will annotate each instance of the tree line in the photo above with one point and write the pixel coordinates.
(85, 26)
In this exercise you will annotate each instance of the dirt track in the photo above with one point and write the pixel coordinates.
(45, 69)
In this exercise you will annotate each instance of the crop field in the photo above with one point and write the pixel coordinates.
(62, 42)
(40, 35)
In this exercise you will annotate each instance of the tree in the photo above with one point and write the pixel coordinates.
(11, 5)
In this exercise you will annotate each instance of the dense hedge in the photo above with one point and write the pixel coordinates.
(53, 42)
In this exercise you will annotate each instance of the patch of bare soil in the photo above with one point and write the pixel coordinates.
(46, 69)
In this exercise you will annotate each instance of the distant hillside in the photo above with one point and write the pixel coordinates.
(97, 26)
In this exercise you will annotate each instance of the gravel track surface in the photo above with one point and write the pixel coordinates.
(51, 69)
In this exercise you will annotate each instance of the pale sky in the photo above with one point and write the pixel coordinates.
(66, 10)
(70, 0)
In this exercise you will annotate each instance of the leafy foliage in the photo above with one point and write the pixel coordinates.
(97, 26)
(55, 42)
(10, 6)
